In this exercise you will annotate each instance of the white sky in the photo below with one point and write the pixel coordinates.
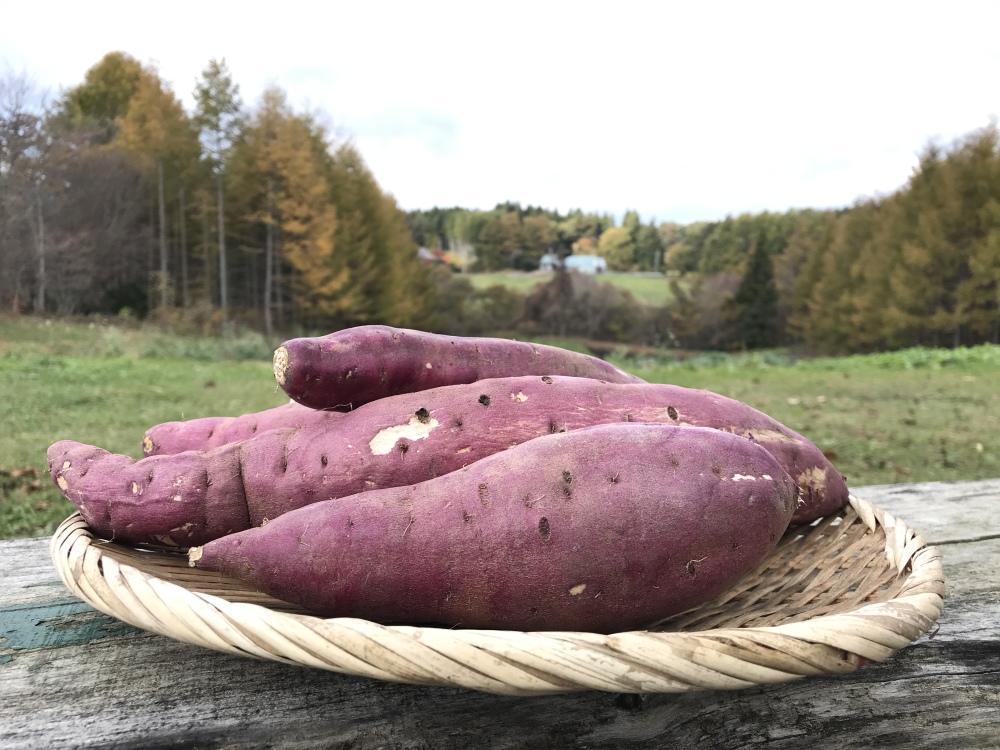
(683, 111)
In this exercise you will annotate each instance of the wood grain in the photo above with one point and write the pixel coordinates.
(72, 677)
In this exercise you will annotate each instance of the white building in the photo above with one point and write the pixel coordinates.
(581, 263)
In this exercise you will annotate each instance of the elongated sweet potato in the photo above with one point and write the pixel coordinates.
(211, 432)
(394, 442)
(602, 529)
(353, 367)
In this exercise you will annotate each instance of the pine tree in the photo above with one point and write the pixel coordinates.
(757, 301)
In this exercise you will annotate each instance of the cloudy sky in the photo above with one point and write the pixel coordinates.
(683, 111)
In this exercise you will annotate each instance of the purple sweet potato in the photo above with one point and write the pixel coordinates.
(602, 529)
(355, 366)
(211, 432)
(167, 499)
(393, 442)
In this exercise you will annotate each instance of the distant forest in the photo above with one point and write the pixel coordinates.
(114, 200)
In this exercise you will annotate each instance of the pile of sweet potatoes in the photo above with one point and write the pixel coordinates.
(419, 478)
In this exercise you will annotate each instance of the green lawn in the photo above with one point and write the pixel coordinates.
(650, 290)
(106, 400)
(881, 420)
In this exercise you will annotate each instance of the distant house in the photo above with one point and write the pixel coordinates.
(581, 263)
(549, 262)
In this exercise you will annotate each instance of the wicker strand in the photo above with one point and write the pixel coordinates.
(856, 586)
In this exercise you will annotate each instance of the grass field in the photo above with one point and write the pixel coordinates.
(65, 380)
(650, 290)
(878, 426)
(884, 419)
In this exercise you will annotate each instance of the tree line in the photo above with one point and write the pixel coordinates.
(115, 199)
(516, 237)
(920, 266)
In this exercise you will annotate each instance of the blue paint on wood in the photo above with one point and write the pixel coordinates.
(66, 622)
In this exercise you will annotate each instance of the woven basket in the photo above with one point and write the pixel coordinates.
(851, 588)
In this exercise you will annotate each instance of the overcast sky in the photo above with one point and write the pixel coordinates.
(683, 111)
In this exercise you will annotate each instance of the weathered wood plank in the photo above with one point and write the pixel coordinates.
(76, 678)
(942, 512)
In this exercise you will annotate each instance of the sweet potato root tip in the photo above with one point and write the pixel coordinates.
(280, 364)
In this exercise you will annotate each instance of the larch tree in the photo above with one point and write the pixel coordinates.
(977, 290)
(157, 134)
(373, 237)
(791, 264)
(981, 292)
(308, 221)
(218, 110)
(831, 302)
(281, 164)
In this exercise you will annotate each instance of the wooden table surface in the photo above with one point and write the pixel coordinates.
(73, 677)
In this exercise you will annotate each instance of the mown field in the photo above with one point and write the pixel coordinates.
(904, 417)
(650, 290)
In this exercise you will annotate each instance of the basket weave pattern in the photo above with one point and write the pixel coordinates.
(857, 586)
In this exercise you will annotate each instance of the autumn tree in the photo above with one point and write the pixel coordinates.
(980, 293)
(104, 96)
(617, 248)
(218, 116)
(963, 219)
(375, 242)
(826, 321)
(809, 238)
(157, 134)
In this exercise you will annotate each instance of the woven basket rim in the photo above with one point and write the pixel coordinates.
(513, 662)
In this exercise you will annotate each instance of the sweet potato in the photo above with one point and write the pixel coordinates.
(211, 432)
(601, 529)
(394, 442)
(355, 366)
